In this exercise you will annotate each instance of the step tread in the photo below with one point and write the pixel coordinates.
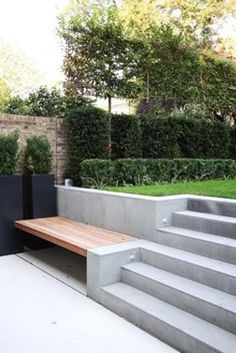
(195, 259)
(197, 290)
(188, 233)
(208, 216)
(201, 330)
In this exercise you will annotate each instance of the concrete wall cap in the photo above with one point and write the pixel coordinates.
(121, 194)
(113, 249)
(143, 197)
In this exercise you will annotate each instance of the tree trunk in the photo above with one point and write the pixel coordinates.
(109, 126)
(148, 86)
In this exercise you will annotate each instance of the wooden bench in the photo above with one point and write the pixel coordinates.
(72, 235)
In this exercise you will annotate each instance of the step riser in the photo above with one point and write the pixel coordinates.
(184, 301)
(160, 329)
(225, 229)
(214, 207)
(198, 246)
(192, 271)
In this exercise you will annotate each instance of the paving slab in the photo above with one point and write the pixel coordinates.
(39, 313)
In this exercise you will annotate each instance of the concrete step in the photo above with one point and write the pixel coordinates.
(224, 207)
(206, 223)
(210, 304)
(174, 326)
(213, 273)
(210, 245)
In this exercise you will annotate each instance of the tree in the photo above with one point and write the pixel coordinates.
(16, 71)
(139, 16)
(45, 102)
(218, 84)
(180, 74)
(148, 48)
(197, 20)
(99, 59)
(168, 69)
(4, 94)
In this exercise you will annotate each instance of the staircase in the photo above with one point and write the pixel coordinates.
(183, 288)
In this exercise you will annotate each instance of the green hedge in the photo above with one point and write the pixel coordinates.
(97, 173)
(38, 156)
(125, 136)
(177, 137)
(174, 136)
(88, 132)
(233, 143)
(8, 153)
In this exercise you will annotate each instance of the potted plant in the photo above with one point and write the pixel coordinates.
(39, 192)
(11, 197)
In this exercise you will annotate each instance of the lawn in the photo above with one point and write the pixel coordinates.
(219, 188)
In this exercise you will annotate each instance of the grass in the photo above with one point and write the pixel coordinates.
(218, 188)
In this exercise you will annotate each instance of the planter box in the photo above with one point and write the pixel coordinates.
(11, 209)
(40, 200)
(39, 196)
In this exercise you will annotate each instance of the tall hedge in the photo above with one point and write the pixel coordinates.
(176, 137)
(126, 136)
(233, 143)
(88, 132)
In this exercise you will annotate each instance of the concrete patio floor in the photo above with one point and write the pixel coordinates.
(42, 310)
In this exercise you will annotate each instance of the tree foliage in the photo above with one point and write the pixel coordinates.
(17, 71)
(158, 50)
(99, 59)
(44, 102)
(4, 94)
(182, 74)
(197, 20)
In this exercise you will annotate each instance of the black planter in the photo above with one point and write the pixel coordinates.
(40, 200)
(11, 209)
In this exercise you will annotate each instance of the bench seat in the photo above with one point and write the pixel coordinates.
(71, 235)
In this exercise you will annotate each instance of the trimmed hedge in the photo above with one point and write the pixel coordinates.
(9, 153)
(177, 137)
(173, 136)
(38, 156)
(125, 136)
(88, 132)
(97, 173)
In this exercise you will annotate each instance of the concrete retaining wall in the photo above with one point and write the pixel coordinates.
(135, 215)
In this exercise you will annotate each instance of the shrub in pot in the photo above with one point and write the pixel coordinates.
(38, 184)
(11, 197)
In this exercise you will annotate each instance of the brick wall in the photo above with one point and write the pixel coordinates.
(53, 129)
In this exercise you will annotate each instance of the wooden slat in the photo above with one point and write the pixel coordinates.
(72, 235)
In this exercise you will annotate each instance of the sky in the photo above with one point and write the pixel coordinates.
(31, 26)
